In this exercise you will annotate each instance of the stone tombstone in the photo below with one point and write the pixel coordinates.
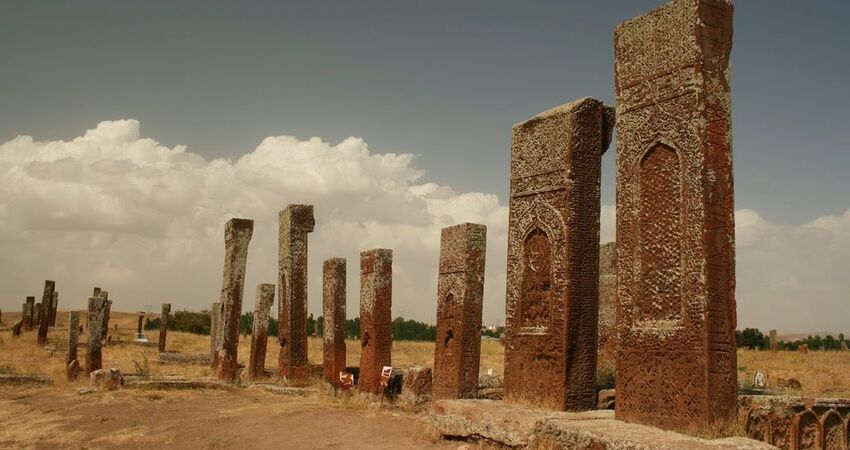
(460, 296)
(759, 380)
(260, 330)
(237, 235)
(774, 347)
(215, 313)
(29, 314)
(607, 340)
(163, 325)
(333, 312)
(139, 328)
(376, 339)
(552, 300)
(94, 356)
(44, 315)
(54, 307)
(71, 360)
(676, 317)
(37, 314)
(106, 314)
(95, 292)
(295, 222)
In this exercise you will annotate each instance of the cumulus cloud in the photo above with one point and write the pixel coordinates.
(120, 211)
(114, 209)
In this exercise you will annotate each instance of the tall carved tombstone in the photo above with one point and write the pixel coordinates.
(139, 323)
(37, 314)
(46, 302)
(54, 308)
(29, 314)
(460, 296)
(295, 222)
(106, 314)
(553, 256)
(607, 341)
(376, 336)
(72, 362)
(237, 235)
(260, 330)
(215, 316)
(774, 347)
(333, 312)
(94, 356)
(676, 361)
(163, 325)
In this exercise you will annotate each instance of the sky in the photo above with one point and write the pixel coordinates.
(131, 131)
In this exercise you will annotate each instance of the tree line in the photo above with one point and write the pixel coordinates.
(753, 339)
(200, 323)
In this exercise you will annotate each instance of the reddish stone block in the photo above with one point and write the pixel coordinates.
(676, 360)
(295, 222)
(237, 235)
(260, 330)
(376, 338)
(333, 312)
(553, 256)
(460, 295)
(607, 340)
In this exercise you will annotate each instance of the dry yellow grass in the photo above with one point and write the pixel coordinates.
(821, 374)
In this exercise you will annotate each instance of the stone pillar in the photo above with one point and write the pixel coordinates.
(96, 292)
(295, 222)
(460, 295)
(106, 314)
(774, 347)
(676, 360)
(72, 364)
(46, 302)
(237, 235)
(376, 337)
(333, 313)
(163, 325)
(54, 308)
(37, 314)
(215, 315)
(551, 311)
(139, 326)
(607, 340)
(96, 311)
(29, 314)
(260, 330)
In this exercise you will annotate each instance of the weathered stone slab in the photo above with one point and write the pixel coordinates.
(774, 347)
(417, 386)
(54, 307)
(260, 330)
(44, 311)
(181, 358)
(333, 311)
(163, 325)
(237, 235)
(24, 379)
(72, 363)
(295, 222)
(551, 312)
(607, 341)
(519, 427)
(376, 339)
(460, 295)
(28, 314)
(96, 312)
(675, 217)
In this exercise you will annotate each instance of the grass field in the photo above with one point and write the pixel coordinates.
(822, 374)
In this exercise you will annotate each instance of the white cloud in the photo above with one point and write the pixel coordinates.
(145, 221)
(117, 210)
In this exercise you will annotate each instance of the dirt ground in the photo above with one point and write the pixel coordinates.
(52, 418)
